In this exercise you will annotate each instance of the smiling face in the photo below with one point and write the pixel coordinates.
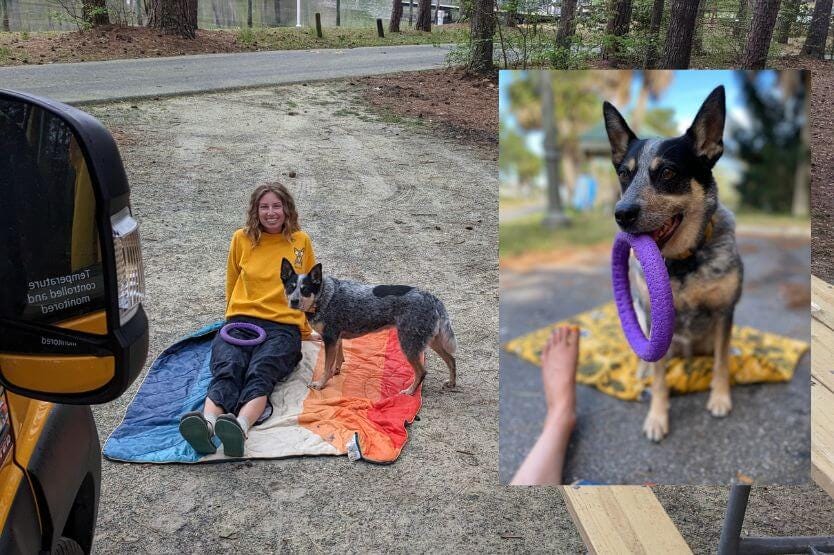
(667, 186)
(271, 213)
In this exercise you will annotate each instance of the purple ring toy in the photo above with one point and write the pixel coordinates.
(224, 334)
(660, 295)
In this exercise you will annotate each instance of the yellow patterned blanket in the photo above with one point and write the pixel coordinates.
(607, 362)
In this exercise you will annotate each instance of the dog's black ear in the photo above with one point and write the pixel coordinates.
(315, 274)
(286, 269)
(620, 134)
(707, 128)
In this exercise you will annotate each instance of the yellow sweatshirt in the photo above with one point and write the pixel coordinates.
(253, 277)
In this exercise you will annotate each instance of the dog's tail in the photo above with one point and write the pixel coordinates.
(444, 332)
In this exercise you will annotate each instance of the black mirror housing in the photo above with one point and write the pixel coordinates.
(72, 326)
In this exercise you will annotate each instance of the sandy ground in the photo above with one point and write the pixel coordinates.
(383, 203)
(372, 194)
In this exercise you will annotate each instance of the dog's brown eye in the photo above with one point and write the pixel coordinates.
(667, 174)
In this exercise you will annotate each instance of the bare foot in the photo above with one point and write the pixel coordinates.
(559, 373)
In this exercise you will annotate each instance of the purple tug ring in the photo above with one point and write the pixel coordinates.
(224, 334)
(660, 295)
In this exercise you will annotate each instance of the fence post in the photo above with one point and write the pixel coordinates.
(318, 25)
(249, 14)
(338, 13)
(379, 29)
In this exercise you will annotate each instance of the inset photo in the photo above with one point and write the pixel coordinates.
(654, 277)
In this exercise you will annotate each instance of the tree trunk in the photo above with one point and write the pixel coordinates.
(423, 16)
(396, 15)
(567, 23)
(277, 8)
(801, 204)
(654, 34)
(481, 31)
(5, 23)
(618, 24)
(678, 47)
(786, 20)
(555, 216)
(95, 13)
(741, 19)
(174, 17)
(818, 30)
(698, 44)
(761, 31)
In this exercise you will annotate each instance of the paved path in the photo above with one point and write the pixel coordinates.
(148, 77)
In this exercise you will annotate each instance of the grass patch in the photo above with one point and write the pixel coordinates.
(752, 217)
(529, 234)
(246, 36)
(512, 202)
(292, 38)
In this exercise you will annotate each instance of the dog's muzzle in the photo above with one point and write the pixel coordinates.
(626, 214)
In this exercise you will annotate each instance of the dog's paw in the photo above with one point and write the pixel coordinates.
(316, 385)
(720, 403)
(408, 391)
(449, 384)
(656, 426)
(337, 370)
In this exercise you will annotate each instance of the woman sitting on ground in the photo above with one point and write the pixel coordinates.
(243, 377)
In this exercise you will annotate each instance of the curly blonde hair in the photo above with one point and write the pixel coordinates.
(253, 224)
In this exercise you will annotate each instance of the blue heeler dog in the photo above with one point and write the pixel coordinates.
(339, 309)
(668, 191)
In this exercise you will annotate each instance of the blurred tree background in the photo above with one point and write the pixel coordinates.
(764, 172)
(773, 145)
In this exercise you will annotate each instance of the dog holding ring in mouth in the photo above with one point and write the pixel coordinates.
(668, 191)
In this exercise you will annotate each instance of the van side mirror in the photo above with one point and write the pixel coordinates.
(72, 326)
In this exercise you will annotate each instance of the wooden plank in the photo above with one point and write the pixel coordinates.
(822, 384)
(822, 301)
(822, 354)
(822, 436)
(622, 519)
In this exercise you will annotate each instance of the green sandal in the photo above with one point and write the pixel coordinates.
(231, 434)
(195, 429)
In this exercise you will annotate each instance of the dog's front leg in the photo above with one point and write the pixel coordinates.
(720, 403)
(340, 358)
(656, 424)
(331, 345)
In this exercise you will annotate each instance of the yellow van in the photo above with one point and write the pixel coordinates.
(72, 328)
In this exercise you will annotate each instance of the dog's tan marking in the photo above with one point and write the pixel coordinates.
(712, 294)
(656, 424)
(720, 402)
(687, 235)
(419, 374)
(340, 359)
(318, 326)
(438, 348)
(631, 164)
(705, 131)
(330, 351)
(654, 164)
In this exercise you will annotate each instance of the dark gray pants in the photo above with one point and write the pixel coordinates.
(240, 374)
